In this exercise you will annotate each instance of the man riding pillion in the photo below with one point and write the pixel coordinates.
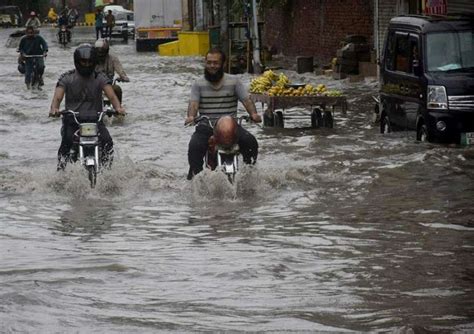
(32, 45)
(83, 89)
(109, 64)
(215, 96)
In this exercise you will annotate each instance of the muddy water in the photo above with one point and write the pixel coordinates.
(333, 230)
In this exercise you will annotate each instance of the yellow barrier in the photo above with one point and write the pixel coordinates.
(193, 43)
(90, 18)
(169, 49)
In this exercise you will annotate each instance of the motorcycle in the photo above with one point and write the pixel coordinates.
(64, 35)
(107, 105)
(223, 150)
(36, 79)
(86, 145)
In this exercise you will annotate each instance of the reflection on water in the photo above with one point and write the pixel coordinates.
(332, 230)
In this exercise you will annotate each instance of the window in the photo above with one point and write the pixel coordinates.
(402, 49)
(402, 53)
(450, 51)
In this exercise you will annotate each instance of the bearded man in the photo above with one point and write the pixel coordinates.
(216, 95)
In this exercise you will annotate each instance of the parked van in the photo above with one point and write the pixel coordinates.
(10, 16)
(427, 77)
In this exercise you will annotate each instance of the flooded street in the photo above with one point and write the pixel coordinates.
(338, 229)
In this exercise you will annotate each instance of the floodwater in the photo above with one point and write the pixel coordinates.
(338, 229)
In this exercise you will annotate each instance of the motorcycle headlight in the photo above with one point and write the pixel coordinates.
(437, 98)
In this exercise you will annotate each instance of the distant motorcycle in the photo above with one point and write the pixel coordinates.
(86, 147)
(223, 150)
(64, 35)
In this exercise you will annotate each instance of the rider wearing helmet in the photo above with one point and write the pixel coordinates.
(32, 44)
(33, 21)
(109, 64)
(83, 89)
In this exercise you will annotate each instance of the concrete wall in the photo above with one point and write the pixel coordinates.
(316, 28)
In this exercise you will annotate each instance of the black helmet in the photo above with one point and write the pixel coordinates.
(85, 59)
(102, 48)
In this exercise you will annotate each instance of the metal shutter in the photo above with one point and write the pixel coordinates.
(456, 6)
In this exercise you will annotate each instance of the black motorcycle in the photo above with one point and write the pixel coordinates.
(64, 35)
(86, 146)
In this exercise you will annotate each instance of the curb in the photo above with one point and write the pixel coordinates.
(78, 24)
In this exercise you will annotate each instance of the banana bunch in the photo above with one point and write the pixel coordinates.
(282, 80)
(270, 75)
(307, 90)
(320, 89)
(260, 84)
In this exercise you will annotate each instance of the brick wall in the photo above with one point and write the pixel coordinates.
(316, 27)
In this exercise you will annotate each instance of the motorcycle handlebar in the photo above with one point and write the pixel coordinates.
(75, 114)
(201, 118)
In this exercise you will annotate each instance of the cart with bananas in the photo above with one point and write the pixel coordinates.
(279, 95)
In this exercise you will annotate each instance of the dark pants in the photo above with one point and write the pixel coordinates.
(99, 31)
(199, 143)
(67, 132)
(29, 68)
(108, 31)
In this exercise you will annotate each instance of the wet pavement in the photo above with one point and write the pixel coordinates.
(338, 229)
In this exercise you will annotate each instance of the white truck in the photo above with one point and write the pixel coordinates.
(156, 22)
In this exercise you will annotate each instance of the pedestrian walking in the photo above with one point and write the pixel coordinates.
(109, 24)
(99, 24)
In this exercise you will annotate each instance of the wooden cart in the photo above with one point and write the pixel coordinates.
(320, 113)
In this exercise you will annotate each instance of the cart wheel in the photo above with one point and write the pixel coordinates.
(328, 120)
(268, 120)
(316, 118)
(278, 119)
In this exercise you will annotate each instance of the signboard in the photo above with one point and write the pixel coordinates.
(435, 7)
(102, 3)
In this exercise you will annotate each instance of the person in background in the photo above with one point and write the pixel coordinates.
(109, 24)
(32, 44)
(109, 64)
(52, 16)
(72, 15)
(64, 21)
(99, 24)
(33, 21)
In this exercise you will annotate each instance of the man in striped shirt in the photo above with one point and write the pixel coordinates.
(214, 96)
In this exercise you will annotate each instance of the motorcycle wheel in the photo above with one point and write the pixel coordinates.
(278, 119)
(316, 118)
(328, 120)
(231, 178)
(92, 175)
(34, 79)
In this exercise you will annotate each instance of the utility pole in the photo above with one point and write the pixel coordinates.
(224, 27)
(257, 64)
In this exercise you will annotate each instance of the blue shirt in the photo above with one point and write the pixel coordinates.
(99, 20)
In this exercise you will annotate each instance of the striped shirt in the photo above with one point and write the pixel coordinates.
(217, 102)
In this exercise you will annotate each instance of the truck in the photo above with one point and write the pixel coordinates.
(156, 22)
